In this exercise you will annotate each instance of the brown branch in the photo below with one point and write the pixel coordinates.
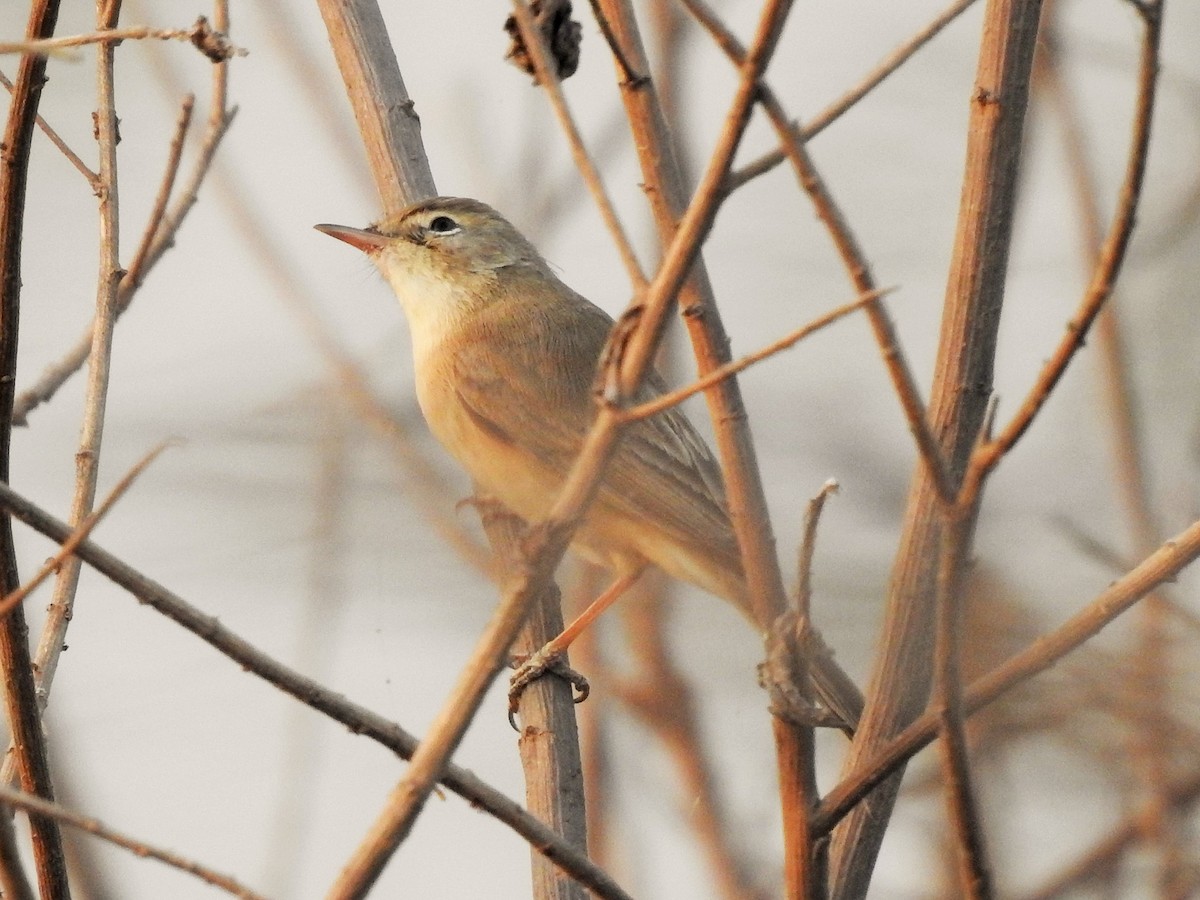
(962, 380)
(38, 806)
(1151, 744)
(549, 742)
(108, 280)
(136, 268)
(975, 880)
(213, 44)
(16, 668)
(357, 719)
(1112, 254)
(804, 796)
(220, 118)
(729, 369)
(1158, 568)
(57, 141)
(847, 101)
(808, 546)
(387, 119)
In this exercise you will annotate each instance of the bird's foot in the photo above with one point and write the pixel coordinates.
(548, 660)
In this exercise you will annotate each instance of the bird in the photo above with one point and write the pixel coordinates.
(505, 357)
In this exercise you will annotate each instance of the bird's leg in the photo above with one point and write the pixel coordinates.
(551, 656)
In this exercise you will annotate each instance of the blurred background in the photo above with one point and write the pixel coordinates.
(284, 515)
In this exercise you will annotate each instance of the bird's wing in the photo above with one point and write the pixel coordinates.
(530, 390)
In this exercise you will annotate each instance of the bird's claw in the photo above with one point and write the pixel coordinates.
(531, 668)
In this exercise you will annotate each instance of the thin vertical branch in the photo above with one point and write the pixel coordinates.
(549, 743)
(901, 680)
(1111, 255)
(24, 719)
(975, 880)
(810, 848)
(108, 280)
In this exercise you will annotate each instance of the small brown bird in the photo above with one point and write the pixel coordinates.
(505, 357)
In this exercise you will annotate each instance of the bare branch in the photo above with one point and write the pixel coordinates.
(134, 274)
(674, 398)
(57, 141)
(108, 280)
(1112, 254)
(824, 119)
(975, 880)
(38, 806)
(213, 44)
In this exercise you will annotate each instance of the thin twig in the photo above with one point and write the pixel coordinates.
(548, 78)
(975, 880)
(81, 534)
(1111, 257)
(853, 257)
(213, 44)
(675, 397)
(1160, 567)
(355, 718)
(108, 279)
(834, 111)
(805, 843)
(136, 267)
(56, 375)
(38, 806)
(57, 141)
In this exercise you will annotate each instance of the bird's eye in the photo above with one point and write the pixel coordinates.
(443, 225)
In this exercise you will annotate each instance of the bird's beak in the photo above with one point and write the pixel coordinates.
(365, 240)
